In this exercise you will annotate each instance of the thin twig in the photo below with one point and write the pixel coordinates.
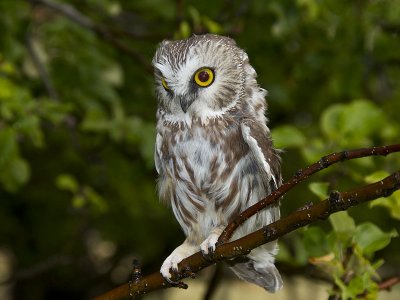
(68, 11)
(40, 67)
(389, 283)
(193, 264)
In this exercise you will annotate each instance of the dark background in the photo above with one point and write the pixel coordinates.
(77, 126)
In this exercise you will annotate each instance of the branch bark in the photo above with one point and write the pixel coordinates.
(336, 202)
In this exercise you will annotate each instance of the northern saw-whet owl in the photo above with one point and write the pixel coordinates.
(214, 153)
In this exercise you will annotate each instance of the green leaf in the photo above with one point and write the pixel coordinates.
(95, 199)
(331, 121)
(362, 125)
(8, 146)
(53, 111)
(6, 88)
(339, 124)
(288, 136)
(30, 126)
(284, 254)
(95, 120)
(392, 202)
(67, 182)
(360, 284)
(370, 238)
(314, 150)
(19, 170)
(184, 30)
(319, 189)
(212, 26)
(312, 8)
(78, 201)
(376, 176)
(315, 242)
(194, 15)
(15, 174)
(342, 223)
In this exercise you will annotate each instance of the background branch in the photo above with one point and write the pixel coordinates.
(300, 218)
(101, 31)
(389, 283)
(40, 67)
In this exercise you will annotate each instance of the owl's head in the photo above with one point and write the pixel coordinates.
(201, 77)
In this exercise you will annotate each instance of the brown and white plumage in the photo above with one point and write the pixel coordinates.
(214, 153)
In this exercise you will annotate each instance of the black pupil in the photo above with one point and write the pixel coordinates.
(203, 76)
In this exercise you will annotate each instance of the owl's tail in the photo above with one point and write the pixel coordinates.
(258, 268)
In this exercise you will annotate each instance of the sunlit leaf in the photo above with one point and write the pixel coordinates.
(184, 30)
(95, 199)
(287, 136)
(332, 120)
(78, 201)
(212, 26)
(376, 176)
(392, 202)
(67, 182)
(370, 238)
(342, 223)
(319, 189)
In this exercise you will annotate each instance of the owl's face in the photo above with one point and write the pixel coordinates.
(200, 77)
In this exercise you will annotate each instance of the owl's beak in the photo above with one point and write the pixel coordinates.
(185, 102)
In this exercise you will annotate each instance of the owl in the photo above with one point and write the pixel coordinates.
(213, 152)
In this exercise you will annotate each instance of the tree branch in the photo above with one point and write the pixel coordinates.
(389, 283)
(101, 31)
(301, 175)
(40, 67)
(188, 267)
(67, 11)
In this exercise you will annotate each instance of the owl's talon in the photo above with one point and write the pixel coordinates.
(208, 256)
(170, 265)
(189, 273)
(168, 269)
(178, 283)
(209, 245)
(170, 281)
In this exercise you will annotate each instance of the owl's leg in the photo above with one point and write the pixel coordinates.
(208, 245)
(172, 261)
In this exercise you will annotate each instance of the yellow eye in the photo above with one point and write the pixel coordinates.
(204, 77)
(164, 84)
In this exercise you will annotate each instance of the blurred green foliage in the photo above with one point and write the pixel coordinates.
(77, 127)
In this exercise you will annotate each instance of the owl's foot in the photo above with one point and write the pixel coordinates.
(172, 261)
(208, 246)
